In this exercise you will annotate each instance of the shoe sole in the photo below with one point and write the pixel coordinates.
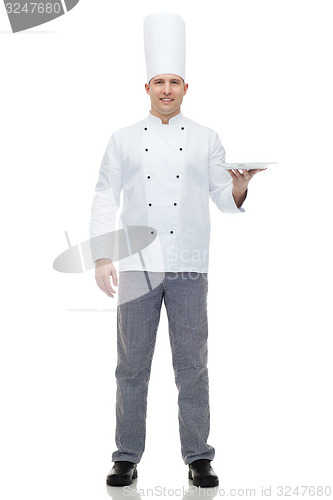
(119, 481)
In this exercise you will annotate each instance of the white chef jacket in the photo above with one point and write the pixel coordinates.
(166, 172)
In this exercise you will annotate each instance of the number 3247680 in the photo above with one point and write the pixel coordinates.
(33, 8)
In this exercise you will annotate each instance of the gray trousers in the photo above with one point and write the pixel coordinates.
(140, 297)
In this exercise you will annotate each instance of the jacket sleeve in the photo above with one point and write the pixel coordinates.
(106, 202)
(220, 181)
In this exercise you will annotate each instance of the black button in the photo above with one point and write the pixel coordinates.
(151, 232)
(175, 204)
(150, 204)
(146, 128)
(171, 232)
(180, 149)
(146, 149)
(177, 176)
(148, 176)
(182, 128)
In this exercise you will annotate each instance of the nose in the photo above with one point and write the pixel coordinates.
(166, 89)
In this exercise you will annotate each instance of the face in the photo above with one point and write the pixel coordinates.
(166, 94)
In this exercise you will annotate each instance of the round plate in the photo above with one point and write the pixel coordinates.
(246, 166)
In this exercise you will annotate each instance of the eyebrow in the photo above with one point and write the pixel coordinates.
(162, 79)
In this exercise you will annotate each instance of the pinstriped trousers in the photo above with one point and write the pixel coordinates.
(140, 298)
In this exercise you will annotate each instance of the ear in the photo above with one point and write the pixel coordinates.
(185, 88)
(147, 87)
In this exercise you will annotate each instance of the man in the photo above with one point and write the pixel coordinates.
(167, 167)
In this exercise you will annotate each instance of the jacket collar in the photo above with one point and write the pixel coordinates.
(173, 121)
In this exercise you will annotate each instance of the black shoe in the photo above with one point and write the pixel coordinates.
(122, 473)
(202, 473)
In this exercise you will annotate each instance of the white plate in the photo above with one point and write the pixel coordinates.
(246, 166)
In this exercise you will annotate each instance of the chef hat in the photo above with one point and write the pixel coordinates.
(164, 39)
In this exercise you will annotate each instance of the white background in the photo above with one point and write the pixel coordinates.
(259, 73)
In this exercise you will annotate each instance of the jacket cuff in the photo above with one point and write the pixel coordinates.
(102, 247)
(227, 202)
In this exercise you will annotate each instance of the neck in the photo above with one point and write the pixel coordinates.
(165, 118)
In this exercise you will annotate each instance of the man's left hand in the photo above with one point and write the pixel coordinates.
(241, 179)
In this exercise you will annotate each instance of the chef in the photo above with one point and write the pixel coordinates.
(167, 167)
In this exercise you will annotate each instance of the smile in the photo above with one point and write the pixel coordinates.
(166, 100)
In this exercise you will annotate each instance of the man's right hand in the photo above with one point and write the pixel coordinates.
(103, 270)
